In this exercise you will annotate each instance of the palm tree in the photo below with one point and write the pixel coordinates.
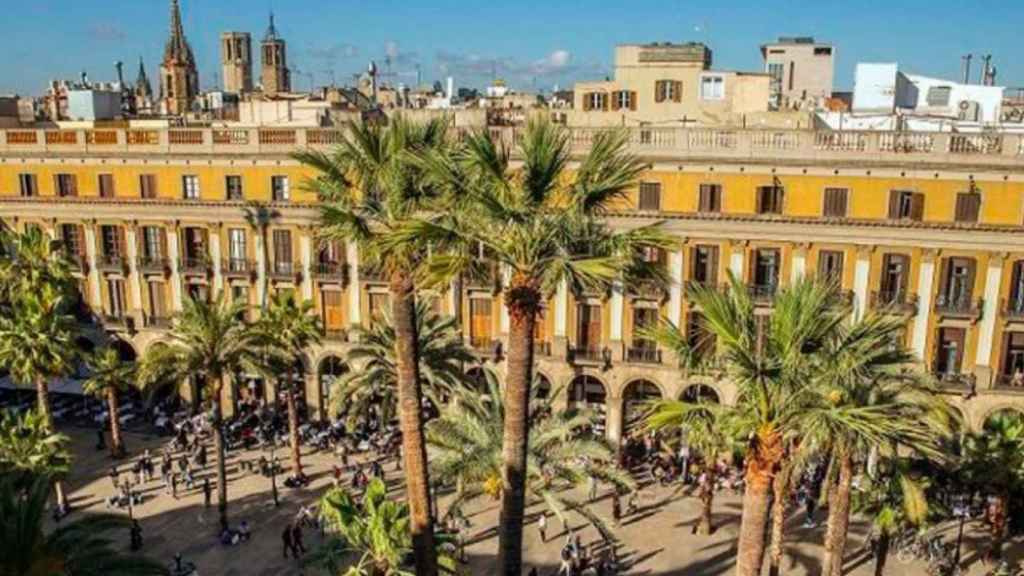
(33, 260)
(284, 331)
(995, 462)
(863, 399)
(771, 359)
(562, 455)
(442, 356)
(83, 547)
(260, 216)
(207, 341)
(375, 528)
(29, 446)
(706, 428)
(110, 376)
(371, 187)
(893, 501)
(540, 224)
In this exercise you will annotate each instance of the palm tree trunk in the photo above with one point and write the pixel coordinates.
(838, 518)
(763, 460)
(707, 496)
(219, 447)
(43, 401)
(116, 445)
(882, 554)
(293, 432)
(523, 305)
(410, 415)
(780, 489)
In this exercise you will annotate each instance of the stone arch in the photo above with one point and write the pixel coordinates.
(1009, 409)
(701, 391)
(125, 349)
(542, 384)
(588, 391)
(635, 396)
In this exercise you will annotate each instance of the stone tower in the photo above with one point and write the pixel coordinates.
(274, 74)
(143, 91)
(236, 61)
(179, 80)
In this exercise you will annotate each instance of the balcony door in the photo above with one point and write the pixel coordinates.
(480, 322)
(236, 247)
(765, 273)
(949, 351)
(704, 269)
(958, 280)
(895, 270)
(1017, 287)
(333, 310)
(588, 328)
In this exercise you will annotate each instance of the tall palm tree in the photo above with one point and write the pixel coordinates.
(994, 460)
(82, 547)
(110, 376)
(771, 359)
(563, 455)
(706, 427)
(259, 216)
(284, 331)
(865, 398)
(33, 260)
(893, 501)
(207, 341)
(540, 223)
(371, 187)
(442, 356)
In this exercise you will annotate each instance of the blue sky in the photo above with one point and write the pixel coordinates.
(528, 42)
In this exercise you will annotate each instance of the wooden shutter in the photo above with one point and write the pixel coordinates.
(659, 91)
(632, 100)
(586, 101)
(480, 320)
(604, 101)
(894, 204)
(971, 265)
(333, 309)
(615, 99)
(917, 206)
(968, 205)
(1015, 281)
(677, 91)
(957, 335)
(712, 265)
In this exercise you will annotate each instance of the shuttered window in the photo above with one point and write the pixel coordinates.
(968, 206)
(950, 351)
(830, 266)
(190, 187)
(623, 100)
(595, 101)
(105, 183)
(704, 264)
(835, 202)
(480, 322)
(280, 188)
(589, 326)
(66, 185)
(233, 187)
(769, 199)
(668, 91)
(282, 247)
(28, 186)
(147, 185)
(333, 310)
(650, 196)
(906, 205)
(710, 198)
(71, 237)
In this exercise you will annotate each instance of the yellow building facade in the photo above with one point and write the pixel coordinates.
(926, 226)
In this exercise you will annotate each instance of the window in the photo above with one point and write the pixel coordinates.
(668, 90)
(480, 322)
(595, 101)
(712, 87)
(650, 196)
(152, 242)
(823, 51)
(699, 337)
(28, 185)
(378, 304)
(111, 241)
(906, 205)
(116, 306)
(279, 188)
(968, 206)
(66, 185)
(588, 327)
(105, 182)
(190, 187)
(644, 319)
(283, 251)
(710, 200)
(147, 185)
(1016, 303)
(769, 199)
(939, 95)
(949, 351)
(775, 72)
(1013, 357)
(157, 300)
(895, 273)
(332, 310)
(830, 267)
(624, 99)
(765, 268)
(835, 202)
(233, 186)
(704, 267)
(236, 249)
(71, 237)
(957, 281)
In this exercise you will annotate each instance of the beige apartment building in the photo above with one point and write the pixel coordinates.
(801, 72)
(664, 84)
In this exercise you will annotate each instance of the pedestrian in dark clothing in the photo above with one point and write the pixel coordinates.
(101, 441)
(115, 477)
(136, 535)
(297, 540)
(286, 540)
(174, 485)
(206, 492)
(616, 507)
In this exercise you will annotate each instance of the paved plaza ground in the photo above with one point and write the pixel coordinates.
(657, 540)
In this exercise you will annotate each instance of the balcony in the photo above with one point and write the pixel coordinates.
(285, 271)
(1009, 382)
(966, 383)
(238, 268)
(648, 290)
(894, 302)
(371, 274)
(541, 348)
(486, 347)
(959, 306)
(762, 294)
(335, 334)
(590, 354)
(156, 322)
(118, 321)
(194, 266)
(111, 263)
(643, 354)
(334, 272)
(1013, 309)
(152, 265)
(77, 263)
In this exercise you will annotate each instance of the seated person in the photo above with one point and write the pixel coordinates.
(243, 531)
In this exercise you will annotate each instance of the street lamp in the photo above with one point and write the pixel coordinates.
(273, 473)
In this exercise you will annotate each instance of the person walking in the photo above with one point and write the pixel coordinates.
(286, 541)
(542, 527)
(206, 492)
(297, 540)
(115, 477)
(174, 485)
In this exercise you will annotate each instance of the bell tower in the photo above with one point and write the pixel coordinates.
(274, 74)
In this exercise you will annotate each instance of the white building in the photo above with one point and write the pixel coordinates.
(98, 102)
(881, 88)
